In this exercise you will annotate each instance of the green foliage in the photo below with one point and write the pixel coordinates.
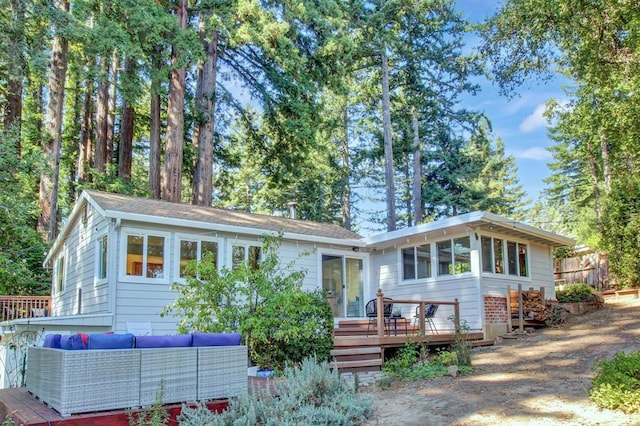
(616, 384)
(462, 345)
(413, 362)
(23, 250)
(577, 292)
(278, 319)
(310, 394)
(156, 415)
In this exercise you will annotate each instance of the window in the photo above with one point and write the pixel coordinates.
(60, 274)
(146, 255)
(249, 254)
(416, 262)
(492, 255)
(454, 256)
(191, 250)
(101, 258)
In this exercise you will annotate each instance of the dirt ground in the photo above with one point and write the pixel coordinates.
(541, 379)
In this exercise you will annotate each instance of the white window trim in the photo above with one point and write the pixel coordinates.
(195, 238)
(505, 258)
(100, 281)
(243, 243)
(65, 272)
(123, 256)
(433, 277)
(452, 239)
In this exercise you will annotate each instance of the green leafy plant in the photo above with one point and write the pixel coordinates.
(577, 292)
(462, 345)
(279, 321)
(616, 384)
(310, 393)
(155, 415)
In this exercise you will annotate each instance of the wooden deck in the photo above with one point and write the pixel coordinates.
(27, 410)
(358, 347)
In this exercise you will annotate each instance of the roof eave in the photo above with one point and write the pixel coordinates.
(185, 223)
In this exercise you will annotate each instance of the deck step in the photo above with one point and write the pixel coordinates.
(356, 351)
(344, 366)
(357, 358)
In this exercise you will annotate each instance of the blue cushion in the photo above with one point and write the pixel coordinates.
(71, 342)
(110, 341)
(52, 341)
(216, 339)
(179, 340)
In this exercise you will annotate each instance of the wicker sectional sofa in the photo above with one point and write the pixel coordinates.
(98, 378)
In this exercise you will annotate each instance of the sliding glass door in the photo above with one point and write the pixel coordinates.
(344, 276)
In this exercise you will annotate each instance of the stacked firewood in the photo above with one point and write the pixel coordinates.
(533, 306)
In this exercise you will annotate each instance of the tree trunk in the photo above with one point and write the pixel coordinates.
(172, 188)
(417, 168)
(606, 166)
(50, 178)
(346, 167)
(388, 145)
(102, 118)
(125, 147)
(85, 149)
(205, 107)
(154, 136)
(111, 111)
(12, 120)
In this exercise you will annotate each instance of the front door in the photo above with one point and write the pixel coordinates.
(344, 277)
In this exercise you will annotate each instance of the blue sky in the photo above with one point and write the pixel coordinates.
(519, 120)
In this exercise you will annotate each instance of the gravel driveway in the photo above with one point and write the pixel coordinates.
(541, 379)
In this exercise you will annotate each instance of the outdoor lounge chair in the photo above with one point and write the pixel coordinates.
(430, 312)
(372, 312)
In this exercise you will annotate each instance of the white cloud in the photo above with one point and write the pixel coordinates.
(534, 121)
(535, 153)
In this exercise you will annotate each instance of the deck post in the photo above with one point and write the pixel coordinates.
(421, 312)
(380, 312)
(456, 313)
(509, 319)
(520, 309)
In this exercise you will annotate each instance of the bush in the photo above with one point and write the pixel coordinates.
(412, 362)
(311, 394)
(577, 292)
(279, 321)
(617, 383)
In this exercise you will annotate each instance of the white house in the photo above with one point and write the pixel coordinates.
(115, 259)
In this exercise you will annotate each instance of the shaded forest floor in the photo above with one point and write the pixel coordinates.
(540, 379)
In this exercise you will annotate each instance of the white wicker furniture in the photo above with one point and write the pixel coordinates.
(81, 381)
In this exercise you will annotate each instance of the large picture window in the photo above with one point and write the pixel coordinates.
(416, 262)
(496, 253)
(146, 255)
(191, 250)
(454, 256)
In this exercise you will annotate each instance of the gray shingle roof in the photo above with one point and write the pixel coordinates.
(157, 210)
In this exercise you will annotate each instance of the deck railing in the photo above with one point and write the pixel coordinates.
(421, 317)
(15, 307)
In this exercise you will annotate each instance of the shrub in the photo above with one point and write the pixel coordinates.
(617, 383)
(412, 363)
(577, 292)
(310, 394)
(279, 321)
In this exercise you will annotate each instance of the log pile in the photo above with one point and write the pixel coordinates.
(533, 305)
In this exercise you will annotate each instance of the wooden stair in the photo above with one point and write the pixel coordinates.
(357, 359)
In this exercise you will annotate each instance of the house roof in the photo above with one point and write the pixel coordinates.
(125, 207)
(478, 221)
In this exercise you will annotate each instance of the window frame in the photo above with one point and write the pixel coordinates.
(507, 258)
(179, 238)
(60, 279)
(246, 244)
(416, 265)
(145, 233)
(100, 250)
(453, 262)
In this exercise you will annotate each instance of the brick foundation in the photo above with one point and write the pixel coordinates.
(495, 309)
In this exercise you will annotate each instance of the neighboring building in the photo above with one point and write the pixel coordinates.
(115, 259)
